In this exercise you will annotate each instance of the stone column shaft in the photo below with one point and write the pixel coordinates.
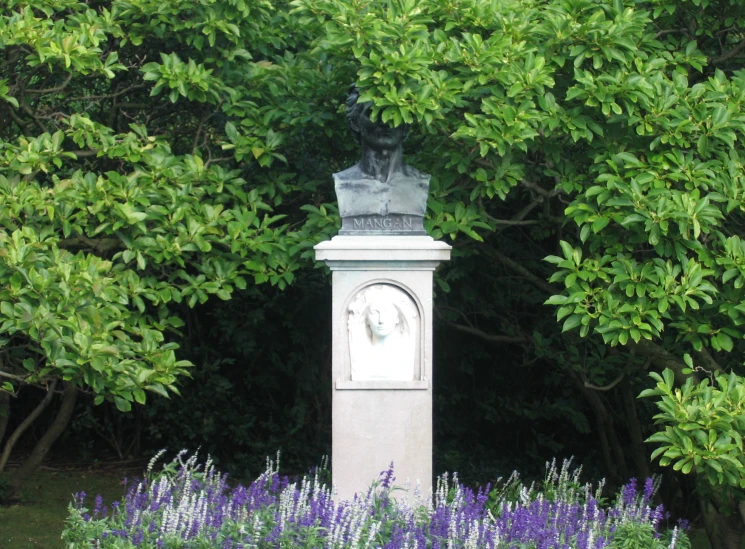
(376, 421)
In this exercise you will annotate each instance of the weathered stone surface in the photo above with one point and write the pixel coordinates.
(380, 415)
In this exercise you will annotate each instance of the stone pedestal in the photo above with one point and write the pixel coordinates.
(382, 357)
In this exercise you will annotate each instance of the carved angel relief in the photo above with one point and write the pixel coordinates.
(383, 331)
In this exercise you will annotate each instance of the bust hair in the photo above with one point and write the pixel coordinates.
(354, 111)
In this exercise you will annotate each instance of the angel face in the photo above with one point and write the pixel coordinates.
(382, 317)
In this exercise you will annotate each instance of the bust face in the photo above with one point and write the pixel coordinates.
(382, 318)
(377, 135)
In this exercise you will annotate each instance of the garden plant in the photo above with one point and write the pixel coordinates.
(190, 506)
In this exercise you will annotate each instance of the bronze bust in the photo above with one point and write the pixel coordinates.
(380, 194)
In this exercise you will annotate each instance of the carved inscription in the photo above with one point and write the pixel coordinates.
(382, 224)
(401, 223)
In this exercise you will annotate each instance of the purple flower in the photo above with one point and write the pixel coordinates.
(648, 490)
(196, 504)
(629, 492)
(99, 506)
(79, 498)
(387, 477)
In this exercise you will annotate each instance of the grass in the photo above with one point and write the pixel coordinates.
(37, 522)
(699, 539)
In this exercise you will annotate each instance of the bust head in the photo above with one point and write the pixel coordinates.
(373, 135)
(380, 183)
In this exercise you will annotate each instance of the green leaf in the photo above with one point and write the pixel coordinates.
(567, 249)
(703, 145)
(555, 300)
(571, 322)
(599, 224)
(122, 405)
(668, 376)
(725, 341)
(139, 396)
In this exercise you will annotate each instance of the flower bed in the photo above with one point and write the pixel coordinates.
(191, 506)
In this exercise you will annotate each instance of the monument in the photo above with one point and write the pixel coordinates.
(382, 263)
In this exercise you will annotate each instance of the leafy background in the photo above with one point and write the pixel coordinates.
(164, 174)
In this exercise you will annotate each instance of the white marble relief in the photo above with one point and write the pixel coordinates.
(383, 333)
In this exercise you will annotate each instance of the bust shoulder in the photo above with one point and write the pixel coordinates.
(353, 173)
(412, 172)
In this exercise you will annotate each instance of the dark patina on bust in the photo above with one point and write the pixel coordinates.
(380, 194)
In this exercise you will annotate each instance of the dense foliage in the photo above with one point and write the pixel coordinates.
(118, 204)
(190, 506)
(155, 154)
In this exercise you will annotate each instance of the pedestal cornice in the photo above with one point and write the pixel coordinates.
(419, 253)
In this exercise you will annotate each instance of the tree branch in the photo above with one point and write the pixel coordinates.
(522, 214)
(138, 106)
(12, 59)
(25, 424)
(108, 96)
(493, 338)
(536, 188)
(669, 31)
(100, 245)
(729, 55)
(25, 108)
(43, 445)
(202, 120)
(605, 387)
(4, 413)
(211, 160)
(661, 359)
(540, 190)
(16, 119)
(513, 221)
(609, 443)
(484, 163)
(711, 364)
(52, 90)
(42, 383)
(13, 377)
(519, 218)
(84, 154)
(515, 266)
